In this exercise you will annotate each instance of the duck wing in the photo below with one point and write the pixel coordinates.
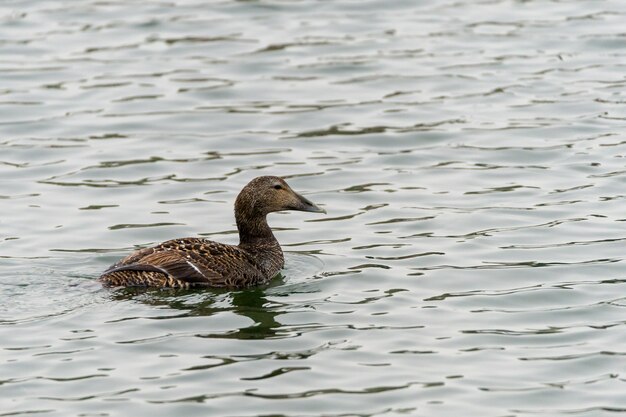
(191, 260)
(172, 263)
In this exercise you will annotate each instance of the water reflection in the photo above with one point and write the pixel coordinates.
(250, 303)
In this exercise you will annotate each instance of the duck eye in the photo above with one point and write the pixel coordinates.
(278, 187)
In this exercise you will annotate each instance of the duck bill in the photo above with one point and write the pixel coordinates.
(305, 204)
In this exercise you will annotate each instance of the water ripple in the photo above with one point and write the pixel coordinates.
(470, 156)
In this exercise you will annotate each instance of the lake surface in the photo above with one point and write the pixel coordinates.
(471, 156)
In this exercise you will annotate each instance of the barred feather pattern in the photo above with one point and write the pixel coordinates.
(195, 262)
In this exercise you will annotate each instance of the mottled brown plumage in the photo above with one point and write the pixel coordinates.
(195, 262)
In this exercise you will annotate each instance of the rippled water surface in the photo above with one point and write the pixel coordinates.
(470, 155)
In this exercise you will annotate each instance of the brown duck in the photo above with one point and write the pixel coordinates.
(195, 262)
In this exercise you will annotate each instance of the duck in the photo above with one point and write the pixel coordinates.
(196, 262)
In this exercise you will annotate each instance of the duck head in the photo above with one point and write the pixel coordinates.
(264, 195)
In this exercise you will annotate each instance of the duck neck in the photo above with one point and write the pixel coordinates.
(254, 230)
(257, 239)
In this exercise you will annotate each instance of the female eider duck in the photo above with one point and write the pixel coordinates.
(195, 262)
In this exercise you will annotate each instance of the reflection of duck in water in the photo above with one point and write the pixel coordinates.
(195, 262)
(252, 303)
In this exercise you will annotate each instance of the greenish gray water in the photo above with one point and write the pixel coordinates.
(470, 155)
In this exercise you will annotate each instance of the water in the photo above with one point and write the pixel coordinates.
(470, 155)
